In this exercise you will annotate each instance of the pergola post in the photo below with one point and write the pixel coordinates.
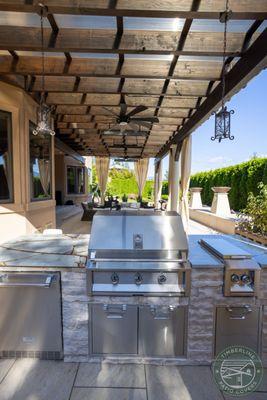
(157, 183)
(173, 180)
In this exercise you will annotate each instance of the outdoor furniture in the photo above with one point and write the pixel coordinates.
(88, 212)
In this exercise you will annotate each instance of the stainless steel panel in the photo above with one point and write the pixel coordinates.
(114, 328)
(223, 249)
(117, 230)
(237, 326)
(30, 318)
(162, 330)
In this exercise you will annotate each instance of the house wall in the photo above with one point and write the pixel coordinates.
(23, 216)
(61, 163)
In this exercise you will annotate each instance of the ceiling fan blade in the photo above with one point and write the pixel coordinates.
(146, 119)
(145, 124)
(137, 110)
(134, 126)
(123, 109)
(111, 112)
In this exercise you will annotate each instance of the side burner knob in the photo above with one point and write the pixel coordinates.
(115, 278)
(234, 278)
(162, 279)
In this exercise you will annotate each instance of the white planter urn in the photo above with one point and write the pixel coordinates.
(220, 203)
(195, 198)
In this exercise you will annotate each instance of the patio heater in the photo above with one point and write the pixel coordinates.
(223, 116)
(44, 111)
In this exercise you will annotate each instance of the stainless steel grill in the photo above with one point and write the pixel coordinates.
(138, 253)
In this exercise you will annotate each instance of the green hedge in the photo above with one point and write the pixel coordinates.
(242, 178)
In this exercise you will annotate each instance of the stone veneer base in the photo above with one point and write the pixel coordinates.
(206, 294)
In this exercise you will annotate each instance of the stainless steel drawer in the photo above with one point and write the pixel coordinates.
(30, 318)
(162, 330)
(237, 326)
(114, 328)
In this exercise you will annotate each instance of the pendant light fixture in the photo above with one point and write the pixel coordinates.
(44, 119)
(223, 116)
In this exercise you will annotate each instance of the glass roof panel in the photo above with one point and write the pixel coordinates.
(39, 54)
(157, 24)
(163, 57)
(21, 19)
(85, 22)
(206, 25)
(94, 55)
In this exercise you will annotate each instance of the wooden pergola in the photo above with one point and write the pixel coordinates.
(166, 55)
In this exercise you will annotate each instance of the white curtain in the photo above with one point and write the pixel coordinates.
(44, 169)
(141, 170)
(185, 179)
(157, 183)
(102, 169)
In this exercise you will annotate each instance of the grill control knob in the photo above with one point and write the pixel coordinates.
(115, 278)
(138, 278)
(234, 278)
(245, 279)
(162, 279)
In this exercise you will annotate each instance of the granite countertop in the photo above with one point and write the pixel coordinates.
(200, 258)
(45, 251)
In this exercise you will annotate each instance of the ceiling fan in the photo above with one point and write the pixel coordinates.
(125, 120)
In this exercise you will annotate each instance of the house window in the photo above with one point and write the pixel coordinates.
(75, 180)
(6, 170)
(40, 165)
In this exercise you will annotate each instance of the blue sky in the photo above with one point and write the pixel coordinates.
(249, 126)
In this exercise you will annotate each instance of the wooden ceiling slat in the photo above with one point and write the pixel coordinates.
(244, 9)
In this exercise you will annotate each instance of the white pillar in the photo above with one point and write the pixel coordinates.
(220, 203)
(173, 181)
(157, 183)
(195, 198)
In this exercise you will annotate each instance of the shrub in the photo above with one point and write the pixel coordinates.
(242, 178)
(254, 217)
(124, 198)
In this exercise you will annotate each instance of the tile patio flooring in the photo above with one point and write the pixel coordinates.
(29, 379)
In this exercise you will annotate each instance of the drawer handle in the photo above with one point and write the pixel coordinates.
(246, 309)
(5, 283)
(159, 314)
(115, 311)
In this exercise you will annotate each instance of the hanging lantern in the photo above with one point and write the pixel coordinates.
(223, 116)
(223, 125)
(44, 119)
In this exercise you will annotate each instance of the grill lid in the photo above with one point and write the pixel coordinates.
(137, 235)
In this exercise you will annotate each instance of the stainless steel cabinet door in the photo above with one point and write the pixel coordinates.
(162, 330)
(30, 317)
(237, 326)
(114, 329)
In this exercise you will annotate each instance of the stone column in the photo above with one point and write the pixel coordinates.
(157, 183)
(195, 198)
(220, 203)
(173, 181)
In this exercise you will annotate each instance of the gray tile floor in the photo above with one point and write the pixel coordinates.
(29, 379)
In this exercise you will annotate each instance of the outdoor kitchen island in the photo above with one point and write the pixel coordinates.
(187, 327)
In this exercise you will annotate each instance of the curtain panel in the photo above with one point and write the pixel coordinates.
(141, 170)
(102, 169)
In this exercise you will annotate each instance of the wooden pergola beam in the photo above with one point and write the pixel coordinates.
(71, 7)
(249, 65)
(102, 41)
